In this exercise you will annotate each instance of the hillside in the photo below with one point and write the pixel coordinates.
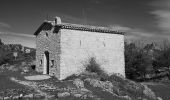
(15, 53)
(87, 86)
(19, 81)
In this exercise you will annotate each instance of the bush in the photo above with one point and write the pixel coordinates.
(104, 77)
(138, 60)
(93, 66)
(73, 76)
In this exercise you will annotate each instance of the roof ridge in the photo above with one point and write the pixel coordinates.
(88, 28)
(58, 23)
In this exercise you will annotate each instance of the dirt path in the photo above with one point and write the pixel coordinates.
(160, 89)
(30, 85)
(37, 77)
(151, 83)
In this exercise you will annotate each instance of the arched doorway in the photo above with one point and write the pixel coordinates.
(46, 63)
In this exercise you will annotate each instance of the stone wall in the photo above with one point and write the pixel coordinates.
(77, 47)
(48, 41)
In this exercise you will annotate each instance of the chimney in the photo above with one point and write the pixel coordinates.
(57, 20)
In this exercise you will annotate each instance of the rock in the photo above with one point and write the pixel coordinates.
(125, 97)
(98, 99)
(139, 98)
(5, 98)
(107, 86)
(79, 83)
(64, 94)
(84, 97)
(119, 75)
(23, 63)
(25, 69)
(22, 73)
(148, 92)
(133, 85)
(77, 95)
(21, 95)
(13, 68)
(37, 77)
(159, 98)
(15, 97)
(4, 66)
(51, 97)
(29, 96)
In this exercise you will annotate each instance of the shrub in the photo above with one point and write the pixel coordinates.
(73, 76)
(115, 78)
(93, 66)
(104, 76)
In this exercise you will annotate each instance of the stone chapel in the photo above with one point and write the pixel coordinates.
(63, 49)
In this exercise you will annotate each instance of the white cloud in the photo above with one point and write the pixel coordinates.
(139, 35)
(17, 34)
(163, 17)
(2, 24)
(15, 38)
(120, 28)
(132, 32)
(162, 14)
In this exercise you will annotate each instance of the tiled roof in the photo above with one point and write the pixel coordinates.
(88, 28)
(44, 26)
(47, 25)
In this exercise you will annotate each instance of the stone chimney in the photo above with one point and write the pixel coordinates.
(57, 20)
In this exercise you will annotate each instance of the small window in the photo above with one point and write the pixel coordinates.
(80, 42)
(104, 44)
(46, 34)
(52, 63)
(33, 67)
(41, 62)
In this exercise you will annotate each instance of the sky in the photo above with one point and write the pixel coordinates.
(145, 20)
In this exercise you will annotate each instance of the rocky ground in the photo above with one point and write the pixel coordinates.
(26, 85)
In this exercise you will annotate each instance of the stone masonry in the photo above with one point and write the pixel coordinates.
(63, 49)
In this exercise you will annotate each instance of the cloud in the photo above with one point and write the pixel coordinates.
(163, 17)
(120, 28)
(15, 38)
(68, 18)
(17, 34)
(95, 1)
(140, 35)
(4, 25)
(132, 31)
(162, 14)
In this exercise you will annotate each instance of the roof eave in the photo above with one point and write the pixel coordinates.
(40, 28)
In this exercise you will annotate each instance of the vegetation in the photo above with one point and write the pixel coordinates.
(147, 61)
(86, 86)
(22, 53)
(90, 85)
(93, 66)
(140, 61)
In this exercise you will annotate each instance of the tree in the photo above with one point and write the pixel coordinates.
(163, 60)
(136, 61)
(1, 43)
